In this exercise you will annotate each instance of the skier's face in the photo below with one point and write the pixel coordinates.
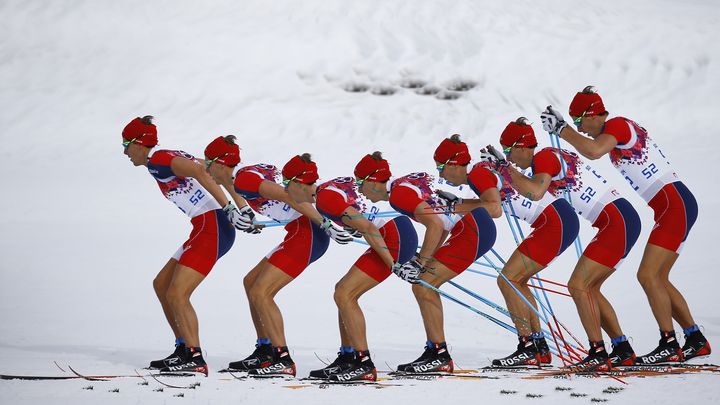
(522, 157)
(591, 125)
(219, 172)
(374, 191)
(455, 174)
(301, 192)
(137, 153)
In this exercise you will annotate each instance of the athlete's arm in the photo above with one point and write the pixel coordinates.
(274, 191)
(434, 231)
(532, 188)
(184, 167)
(589, 147)
(354, 219)
(227, 184)
(489, 199)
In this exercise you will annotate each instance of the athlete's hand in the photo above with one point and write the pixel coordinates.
(493, 157)
(353, 232)
(254, 229)
(409, 271)
(240, 219)
(486, 156)
(448, 199)
(248, 215)
(336, 233)
(552, 120)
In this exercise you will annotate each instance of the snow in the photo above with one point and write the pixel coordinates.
(86, 232)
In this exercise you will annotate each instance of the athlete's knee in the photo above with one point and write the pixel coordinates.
(506, 283)
(342, 295)
(175, 295)
(248, 281)
(647, 279)
(257, 293)
(159, 287)
(577, 288)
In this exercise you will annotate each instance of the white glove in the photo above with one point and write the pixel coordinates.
(552, 120)
(337, 234)
(409, 271)
(486, 156)
(241, 219)
(353, 232)
(253, 230)
(449, 200)
(493, 157)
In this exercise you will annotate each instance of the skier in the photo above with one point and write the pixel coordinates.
(472, 234)
(646, 167)
(392, 243)
(618, 228)
(184, 181)
(305, 242)
(555, 226)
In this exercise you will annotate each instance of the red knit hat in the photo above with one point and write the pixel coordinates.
(452, 153)
(520, 135)
(225, 152)
(141, 133)
(372, 169)
(588, 102)
(300, 171)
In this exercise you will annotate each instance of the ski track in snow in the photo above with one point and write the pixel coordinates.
(86, 232)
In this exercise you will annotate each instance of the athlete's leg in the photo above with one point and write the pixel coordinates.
(518, 270)
(262, 294)
(584, 287)
(608, 318)
(347, 292)
(160, 285)
(429, 300)
(680, 309)
(651, 278)
(344, 337)
(248, 281)
(185, 280)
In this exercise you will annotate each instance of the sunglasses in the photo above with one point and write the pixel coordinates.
(360, 182)
(578, 121)
(126, 144)
(208, 162)
(507, 150)
(441, 166)
(286, 182)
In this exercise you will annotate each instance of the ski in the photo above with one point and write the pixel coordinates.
(40, 377)
(89, 378)
(515, 369)
(620, 372)
(399, 375)
(76, 377)
(323, 384)
(186, 387)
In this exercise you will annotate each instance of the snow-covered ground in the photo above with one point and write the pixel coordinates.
(86, 232)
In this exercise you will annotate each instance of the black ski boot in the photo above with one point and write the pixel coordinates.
(170, 360)
(695, 346)
(543, 350)
(362, 369)
(668, 351)
(342, 362)
(282, 365)
(525, 355)
(261, 357)
(434, 359)
(596, 360)
(622, 355)
(191, 361)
